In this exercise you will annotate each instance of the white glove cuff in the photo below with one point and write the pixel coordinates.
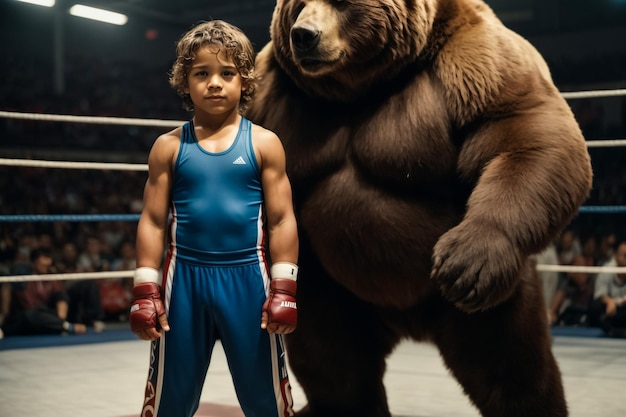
(284, 270)
(146, 274)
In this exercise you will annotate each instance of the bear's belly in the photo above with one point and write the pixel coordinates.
(375, 242)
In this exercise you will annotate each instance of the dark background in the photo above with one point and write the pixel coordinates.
(52, 62)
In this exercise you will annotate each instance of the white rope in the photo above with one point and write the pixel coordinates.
(74, 165)
(68, 277)
(582, 269)
(130, 273)
(613, 143)
(115, 166)
(127, 121)
(124, 121)
(573, 95)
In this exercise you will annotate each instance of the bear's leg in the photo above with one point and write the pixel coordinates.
(337, 353)
(503, 357)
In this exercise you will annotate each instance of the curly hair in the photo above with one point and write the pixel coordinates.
(230, 40)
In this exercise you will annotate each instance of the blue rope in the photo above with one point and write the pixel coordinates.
(135, 217)
(602, 209)
(68, 217)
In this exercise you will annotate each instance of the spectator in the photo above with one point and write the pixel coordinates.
(571, 300)
(37, 307)
(609, 306)
(606, 245)
(115, 293)
(68, 261)
(92, 259)
(85, 304)
(126, 260)
(85, 301)
(549, 279)
(568, 247)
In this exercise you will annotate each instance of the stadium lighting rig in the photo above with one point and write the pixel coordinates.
(45, 3)
(87, 12)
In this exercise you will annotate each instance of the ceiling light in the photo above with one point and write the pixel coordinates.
(98, 14)
(46, 3)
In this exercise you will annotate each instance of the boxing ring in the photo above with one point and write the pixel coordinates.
(137, 122)
(69, 381)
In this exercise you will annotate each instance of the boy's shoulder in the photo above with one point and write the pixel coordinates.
(262, 133)
(173, 134)
(170, 138)
(165, 147)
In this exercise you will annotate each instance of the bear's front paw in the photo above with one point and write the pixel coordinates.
(475, 266)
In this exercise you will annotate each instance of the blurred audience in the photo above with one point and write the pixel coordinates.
(572, 298)
(609, 306)
(549, 279)
(568, 247)
(37, 307)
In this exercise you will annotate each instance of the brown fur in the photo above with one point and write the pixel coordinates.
(430, 155)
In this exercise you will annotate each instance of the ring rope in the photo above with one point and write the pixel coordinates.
(73, 165)
(613, 143)
(574, 95)
(602, 209)
(130, 273)
(124, 121)
(582, 269)
(6, 218)
(128, 121)
(68, 217)
(144, 167)
(68, 277)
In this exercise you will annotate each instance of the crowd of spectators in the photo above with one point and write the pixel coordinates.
(74, 246)
(91, 88)
(584, 298)
(94, 87)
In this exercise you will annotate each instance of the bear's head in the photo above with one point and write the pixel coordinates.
(336, 49)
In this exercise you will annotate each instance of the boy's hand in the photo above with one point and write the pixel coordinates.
(280, 312)
(147, 313)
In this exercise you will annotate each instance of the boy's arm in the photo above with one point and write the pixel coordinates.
(279, 311)
(147, 310)
(281, 220)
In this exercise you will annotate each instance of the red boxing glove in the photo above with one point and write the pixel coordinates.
(280, 305)
(146, 306)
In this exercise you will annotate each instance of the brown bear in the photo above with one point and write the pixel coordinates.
(430, 156)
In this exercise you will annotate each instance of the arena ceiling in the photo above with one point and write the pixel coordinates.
(181, 13)
(527, 16)
(185, 11)
(163, 21)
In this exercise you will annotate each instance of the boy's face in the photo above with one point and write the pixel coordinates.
(213, 82)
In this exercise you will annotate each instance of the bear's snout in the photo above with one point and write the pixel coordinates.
(304, 38)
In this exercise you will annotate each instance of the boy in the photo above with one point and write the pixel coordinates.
(221, 178)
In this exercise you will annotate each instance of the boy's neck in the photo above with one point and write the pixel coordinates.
(216, 134)
(213, 123)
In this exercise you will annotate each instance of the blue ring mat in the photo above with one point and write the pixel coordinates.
(118, 332)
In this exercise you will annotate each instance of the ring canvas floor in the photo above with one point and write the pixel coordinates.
(106, 379)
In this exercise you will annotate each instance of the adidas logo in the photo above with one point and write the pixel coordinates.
(239, 161)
